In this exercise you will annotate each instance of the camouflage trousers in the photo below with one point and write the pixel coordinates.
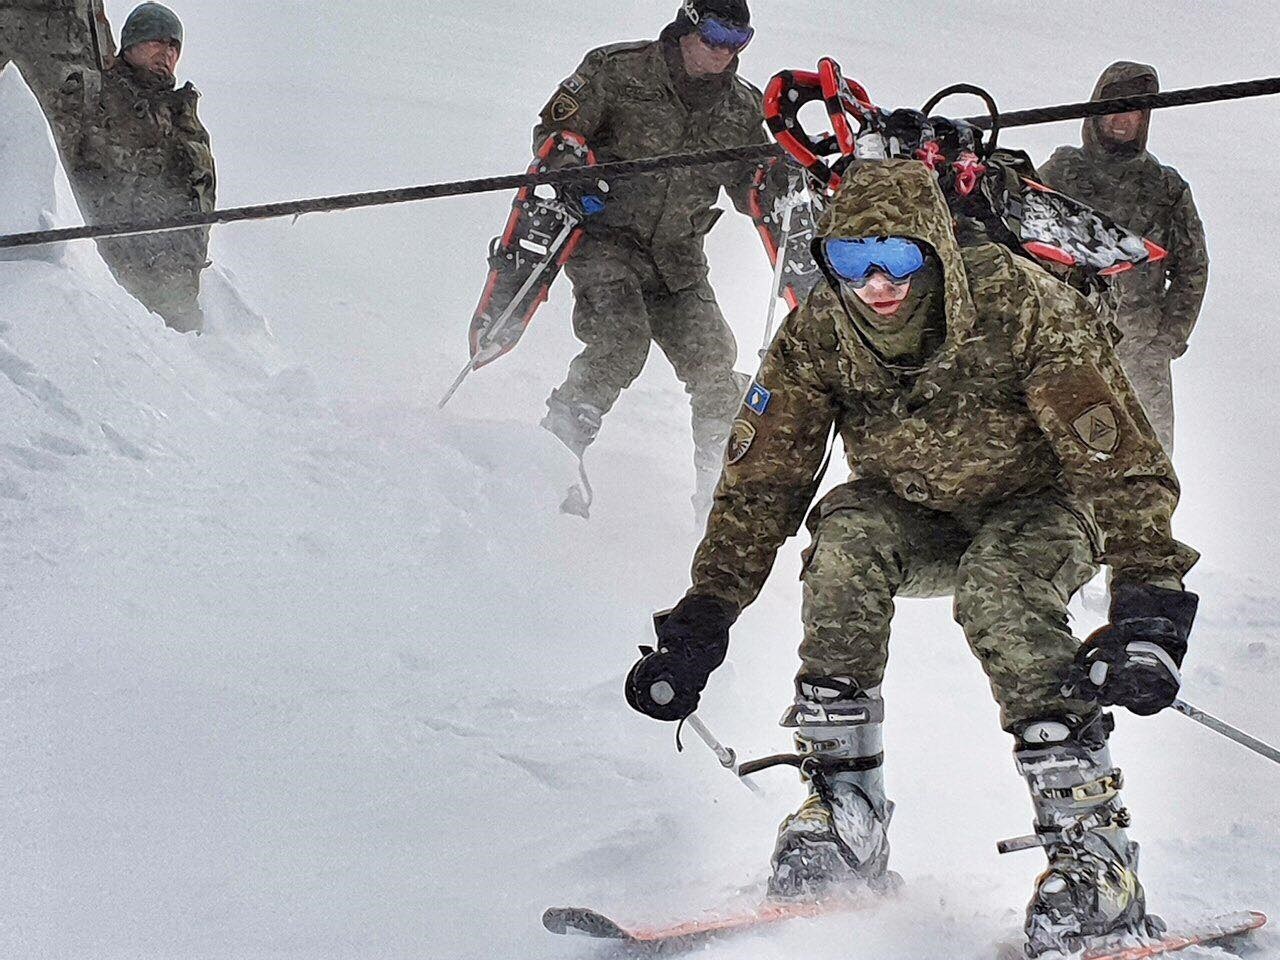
(1150, 369)
(1012, 570)
(165, 285)
(622, 305)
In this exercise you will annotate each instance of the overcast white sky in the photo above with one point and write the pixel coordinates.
(305, 99)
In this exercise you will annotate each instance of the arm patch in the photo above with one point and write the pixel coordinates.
(740, 441)
(562, 107)
(1085, 404)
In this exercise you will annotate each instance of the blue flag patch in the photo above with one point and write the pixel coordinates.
(758, 399)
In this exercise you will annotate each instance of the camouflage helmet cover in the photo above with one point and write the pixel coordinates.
(150, 21)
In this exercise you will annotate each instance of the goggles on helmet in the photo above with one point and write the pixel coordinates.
(715, 33)
(718, 33)
(854, 260)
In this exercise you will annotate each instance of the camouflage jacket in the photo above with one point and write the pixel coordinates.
(624, 100)
(137, 151)
(1157, 306)
(1026, 396)
(50, 39)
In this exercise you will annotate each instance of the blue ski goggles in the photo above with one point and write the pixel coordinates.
(854, 260)
(727, 36)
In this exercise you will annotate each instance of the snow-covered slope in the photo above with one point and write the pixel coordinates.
(297, 666)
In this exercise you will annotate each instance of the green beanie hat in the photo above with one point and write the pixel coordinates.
(151, 21)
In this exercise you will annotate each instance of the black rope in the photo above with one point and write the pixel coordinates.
(1147, 101)
(382, 198)
(608, 171)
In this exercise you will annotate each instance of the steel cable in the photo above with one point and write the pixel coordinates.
(608, 171)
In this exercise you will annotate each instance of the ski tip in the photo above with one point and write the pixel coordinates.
(1243, 921)
(570, 921)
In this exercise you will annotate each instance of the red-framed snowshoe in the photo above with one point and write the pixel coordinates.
(988, 185)
(541, 234)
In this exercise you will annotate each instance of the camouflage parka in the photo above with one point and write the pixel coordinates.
(138, 151)
(624, 99)
(1157, 307)
(1025, 396)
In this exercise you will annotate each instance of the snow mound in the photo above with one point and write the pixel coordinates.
(34, 191)
(204, 557)
(85, 371)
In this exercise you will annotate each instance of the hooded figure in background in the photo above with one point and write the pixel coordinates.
(135, 151)
(640, 274)
(997, 454)
(1159, 303)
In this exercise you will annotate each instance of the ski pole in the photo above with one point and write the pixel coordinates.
(728, 758)
(1228, 731)
(778, 269)
(1220, 727)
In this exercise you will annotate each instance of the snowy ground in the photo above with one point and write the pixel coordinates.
(298, 667)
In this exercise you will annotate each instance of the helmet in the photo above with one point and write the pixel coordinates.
(151, 21)
(691, 13)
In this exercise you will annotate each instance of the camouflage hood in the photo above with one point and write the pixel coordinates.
(1122, 78)
(901, 198)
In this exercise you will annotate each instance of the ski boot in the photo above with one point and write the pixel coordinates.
(838, 839)
(1090, 892)
(573, 424)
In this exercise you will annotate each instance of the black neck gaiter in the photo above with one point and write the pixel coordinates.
(696, 93)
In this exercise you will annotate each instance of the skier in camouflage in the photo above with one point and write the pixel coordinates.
(1114, 172)
(138, 151)
(998, 454)
(640, 274)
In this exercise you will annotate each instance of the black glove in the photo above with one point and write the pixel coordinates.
(692, 641)
(1134, 661)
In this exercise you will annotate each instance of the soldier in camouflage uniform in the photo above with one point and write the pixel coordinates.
(50, 39)
(997, 453)
(1113, 172)
(138, 151)
(640, 274)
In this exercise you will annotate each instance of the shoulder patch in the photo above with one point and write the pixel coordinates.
(740, 440)
(758, 399)
(574, 84)
(1098, 428)
(562, 107)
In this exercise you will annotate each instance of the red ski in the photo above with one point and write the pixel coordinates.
(1217, 931)
(570, 921)
(589, 923)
